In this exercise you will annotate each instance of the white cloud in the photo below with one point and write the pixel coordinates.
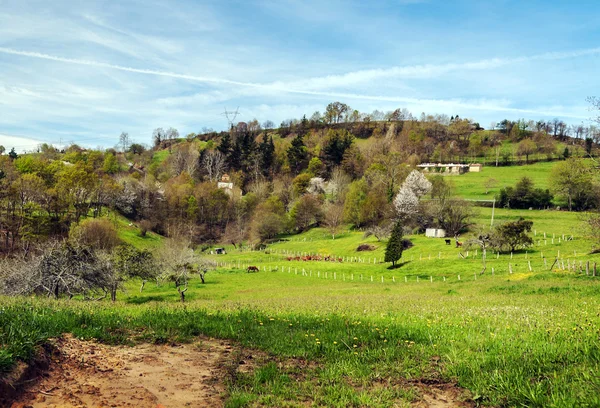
(20, 143)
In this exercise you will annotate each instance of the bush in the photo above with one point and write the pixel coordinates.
(97, 233)
(365, 247)
(524, 196)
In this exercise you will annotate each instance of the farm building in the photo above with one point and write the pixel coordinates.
(225, 184)
(450, 168)
(435, 233)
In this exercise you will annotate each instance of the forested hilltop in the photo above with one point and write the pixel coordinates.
(340, 167)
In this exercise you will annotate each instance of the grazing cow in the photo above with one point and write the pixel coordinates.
(447, 241)
(253, 269)
(458, 243)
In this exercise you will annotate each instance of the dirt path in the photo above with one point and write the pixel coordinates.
(88, 374)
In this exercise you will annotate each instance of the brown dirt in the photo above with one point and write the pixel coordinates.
(75, 373)
(88, 374)
(442, 395)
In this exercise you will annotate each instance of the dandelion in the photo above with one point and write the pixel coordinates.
(335, 342)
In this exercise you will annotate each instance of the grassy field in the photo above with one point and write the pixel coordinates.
(472, 185)
(526, 338)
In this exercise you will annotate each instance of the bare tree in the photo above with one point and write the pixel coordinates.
(334, 216)
(214, 164)
(178, 262)
(62, 269)
(124, 141)
(380, 231)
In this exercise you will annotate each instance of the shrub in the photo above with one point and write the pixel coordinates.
(97, 233)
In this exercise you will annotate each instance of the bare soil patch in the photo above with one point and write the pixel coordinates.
(442, 395)
(88, 374)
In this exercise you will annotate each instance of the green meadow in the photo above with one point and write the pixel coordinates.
(370, 333)
(473, 185)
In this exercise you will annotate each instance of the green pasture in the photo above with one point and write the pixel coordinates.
(527, 338)
(472, 185)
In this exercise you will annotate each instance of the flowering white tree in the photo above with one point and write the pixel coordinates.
(406, 202)
(417, 183)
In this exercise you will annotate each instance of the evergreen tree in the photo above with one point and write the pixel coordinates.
(225, 146)
(336, 145)
(12, 154)
(267, 154)
(297, 155)
(393, 250)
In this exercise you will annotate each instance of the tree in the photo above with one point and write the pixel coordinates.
(63, 268)
(335, 112)
(406, 203)
(266, 150)
(417, 183)
(136, 148)
(2, 150)
(490, 183)
(336, 144)
(12, 154)
(124, 141)
(395, 245)
(111, 165)
(526, 148)
(355, 198)
(176, 261)
(213, 162)
(130, 262)
(158, 136)
(333, 218)
(306, 212)
(592, 224)
(96, 233)
(483, 239)
(572, 179)
(297, 155)
(513, 235)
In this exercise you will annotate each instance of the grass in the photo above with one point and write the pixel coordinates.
(472, 185)
(130, 233)
(530, 338)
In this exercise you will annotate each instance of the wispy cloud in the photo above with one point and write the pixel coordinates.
(429, 70)
(304, 87)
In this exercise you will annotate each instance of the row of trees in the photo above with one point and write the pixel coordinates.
(94, 263)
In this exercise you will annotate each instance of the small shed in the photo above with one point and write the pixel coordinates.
(435, 233)
(476, 167)
(220, 251)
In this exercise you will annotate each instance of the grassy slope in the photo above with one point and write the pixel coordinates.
(472, 185)
(527, 338)
(131, 234)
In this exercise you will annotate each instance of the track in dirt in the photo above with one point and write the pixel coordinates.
(84, 373)
(88, 374)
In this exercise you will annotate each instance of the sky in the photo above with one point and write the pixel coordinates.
(85, 71)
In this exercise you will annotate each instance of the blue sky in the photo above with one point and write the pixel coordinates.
(85, 71)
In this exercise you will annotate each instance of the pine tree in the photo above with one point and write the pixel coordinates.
(297, 155)
(225, 145)
(393, 250)
(267, 154)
